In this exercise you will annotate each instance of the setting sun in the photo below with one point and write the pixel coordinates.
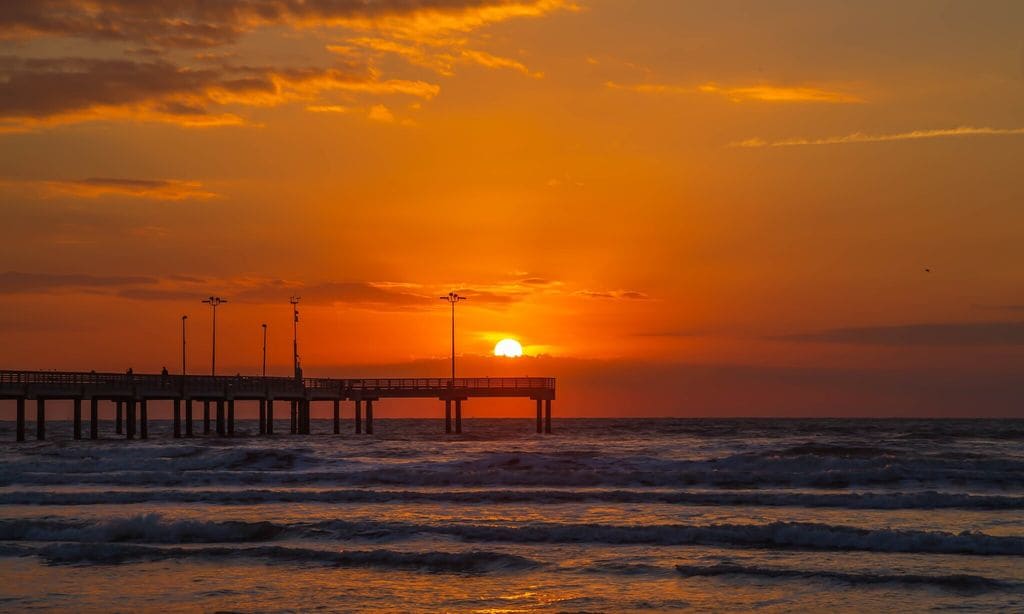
(509, 348)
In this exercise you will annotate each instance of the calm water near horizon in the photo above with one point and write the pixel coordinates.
(602, 516)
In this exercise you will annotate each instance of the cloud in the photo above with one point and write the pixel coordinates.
(957, 333)
(155, 189)
(440, 55)
(191, 24)
(758, 93)
(327, 108)
(780, 93)
(381, 113)
(15, 282)
(614, 294)
(50, 91)
(860, 137)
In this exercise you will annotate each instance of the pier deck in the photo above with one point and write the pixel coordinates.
(133, 390)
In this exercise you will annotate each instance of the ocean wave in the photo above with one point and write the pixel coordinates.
(152, 528)
(958, 582)
(547, 470)
(474, 561)
(776, 535)
(930, 499)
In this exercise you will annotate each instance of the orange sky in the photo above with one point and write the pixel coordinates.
(679, 208)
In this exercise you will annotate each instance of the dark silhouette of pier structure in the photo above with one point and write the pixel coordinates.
(130, 392)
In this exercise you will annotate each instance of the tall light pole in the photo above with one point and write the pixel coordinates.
(295, 335)
(183, 318)
(264, 350)
(453, 298)
(214, 302)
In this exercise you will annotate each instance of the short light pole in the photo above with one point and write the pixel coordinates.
(264, 350)
(214, 302)
(453, 298)
(183, 318)
(295, 335)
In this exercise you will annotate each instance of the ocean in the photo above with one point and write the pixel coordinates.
(602, 516)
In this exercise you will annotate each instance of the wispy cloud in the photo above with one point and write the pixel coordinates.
(156, 189)
(861, 137)
(757, 93)
(614, 294)
(96, 187)
(952, 333)
(780, 93)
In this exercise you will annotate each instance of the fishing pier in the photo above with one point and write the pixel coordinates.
(130, 392)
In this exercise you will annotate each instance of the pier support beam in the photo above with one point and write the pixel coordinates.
(20, 429)
(119, 418)
(129, 422)
(94, 418)
(369, 416)
(304, 416)
(188, 417)
(447, 415)
(177, 418)
(231, 417)
(458, 416)
(540, 418)
(221, 431)
(547, 415)
(206, 417)
(40, 418)
(337, 416)
(359, 416)
(78, 419)
(295, 417)
(263, 416)
(270, 416)
(143, 420)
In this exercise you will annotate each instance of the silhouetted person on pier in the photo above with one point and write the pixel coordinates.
(163, 372)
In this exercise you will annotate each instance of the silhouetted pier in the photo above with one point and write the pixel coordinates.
(130, 392)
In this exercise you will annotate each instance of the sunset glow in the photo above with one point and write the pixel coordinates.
(710, 200)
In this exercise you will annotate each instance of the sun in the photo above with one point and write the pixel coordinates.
(509, 348)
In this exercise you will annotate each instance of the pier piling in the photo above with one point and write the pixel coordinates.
(231, 417)
(129, 425)
(77, 417)
(40, 418)
(143, 420)
(206, 417)
(540, 425)
(369, 416)
(119, 419)
(447, 415)
(359, 416)
(94, 418)
(188, 417)
(295, 417)
(221, 431)
(177, 418)
(337, 416)
(270, 416)
(547, 415)
(263, 417)
(458, 416)
(20, 429)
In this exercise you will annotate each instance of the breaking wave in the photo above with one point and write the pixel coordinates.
(959, 582)
(152, 528)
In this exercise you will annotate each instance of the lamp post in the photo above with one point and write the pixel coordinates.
(214, 302)
(295, 335)
(264, 350)
(183, 318)
(453, 298)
